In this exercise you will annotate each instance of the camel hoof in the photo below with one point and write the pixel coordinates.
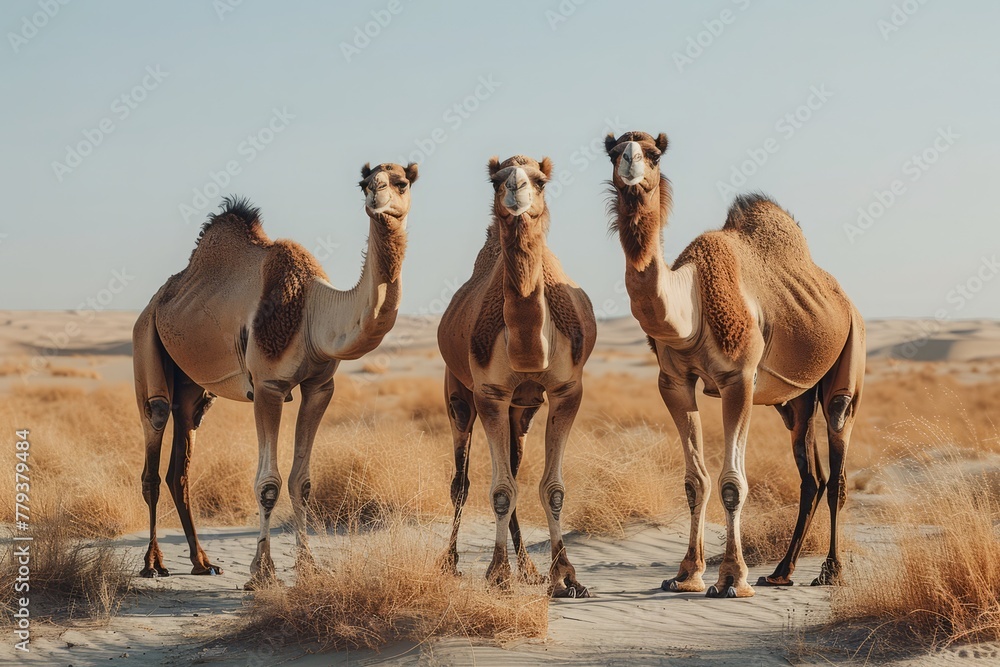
(154, 572)
(669, 585)
(731, 592)
(577, 591)
(211, 571)
(772, 581)
(712, 592)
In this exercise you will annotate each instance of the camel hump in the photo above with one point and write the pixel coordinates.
(764, 224)
(286, 274)
(719, 279)
(237, 220)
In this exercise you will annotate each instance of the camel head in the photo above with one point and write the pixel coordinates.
(387, 190)
(519, 184)
(636, 157)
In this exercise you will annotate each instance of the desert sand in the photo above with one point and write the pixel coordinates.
(179, 620)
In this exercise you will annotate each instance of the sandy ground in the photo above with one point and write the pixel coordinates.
(177, 621)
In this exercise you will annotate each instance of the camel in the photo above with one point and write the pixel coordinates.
(747, 311)
(518, 329)
(249, 319)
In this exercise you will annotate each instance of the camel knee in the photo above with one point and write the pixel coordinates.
(733, 492)
(555, 497)
(838, 411)
(503, 499)
(696, 489)
(157, 411)
(267, 495)
(299, 489)
(460, 412)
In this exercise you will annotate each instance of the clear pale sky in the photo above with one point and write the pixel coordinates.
(295, 73)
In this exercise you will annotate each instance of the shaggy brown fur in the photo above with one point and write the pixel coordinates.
(287, 272)
(489, 324)
(564, 314)
(637, 224)
(726, 312)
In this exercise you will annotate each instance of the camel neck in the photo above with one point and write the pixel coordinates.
(525, 310)
(662, 300)
(349, 324)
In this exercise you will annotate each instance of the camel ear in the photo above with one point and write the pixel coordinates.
(411, 172)
(366, 170)
(493, 166)
(661, 142)
(546, 166)
(609, 143)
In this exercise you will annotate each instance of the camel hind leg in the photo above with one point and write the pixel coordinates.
(153, 371)
(798, 416)
(461, 406)
(190, 404)
(840, 396)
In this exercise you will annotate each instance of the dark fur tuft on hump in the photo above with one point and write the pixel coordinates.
(235, 208)
(751, 205)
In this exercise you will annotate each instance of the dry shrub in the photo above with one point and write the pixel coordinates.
(625, 481)
(937, 581)
(74, 372)
(387, 586)
(372, 472)
(69, 578)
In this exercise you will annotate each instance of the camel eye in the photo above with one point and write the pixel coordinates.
(653, 157)
(401, 187)
(540, 185)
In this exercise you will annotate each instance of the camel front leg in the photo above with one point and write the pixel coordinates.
(564, 402)
(679, 397)
(737, 402)
(520, 422)
(493, 412)
(315, 400)
(269, 396)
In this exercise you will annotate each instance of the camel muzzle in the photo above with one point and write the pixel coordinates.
(518, 195)
(632, 165)
(377, 195)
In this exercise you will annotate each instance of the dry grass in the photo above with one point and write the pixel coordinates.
(385, 446)
(386, 586)
(936, 580)
(69, 578)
